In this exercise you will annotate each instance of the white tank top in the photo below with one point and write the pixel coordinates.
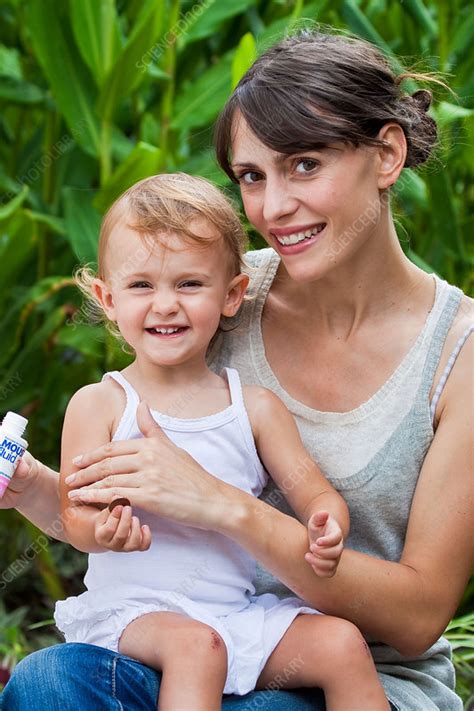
(206, 566)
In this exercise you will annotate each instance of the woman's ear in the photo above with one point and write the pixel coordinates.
(392, 154)
(103, 294)
(235, 294)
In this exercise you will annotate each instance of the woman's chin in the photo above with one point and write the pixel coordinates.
(308, 271)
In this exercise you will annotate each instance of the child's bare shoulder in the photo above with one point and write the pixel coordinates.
(262, 404)
(99, 401)
(256, 395)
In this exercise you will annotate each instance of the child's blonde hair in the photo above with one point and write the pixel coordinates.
(161, 204)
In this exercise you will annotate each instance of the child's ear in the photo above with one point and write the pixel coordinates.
(103, 294)
(235, 294)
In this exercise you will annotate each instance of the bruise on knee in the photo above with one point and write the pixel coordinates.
(216, 641)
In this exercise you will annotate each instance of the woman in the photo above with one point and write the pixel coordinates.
(359, 343)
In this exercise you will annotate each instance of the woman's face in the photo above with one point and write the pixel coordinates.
(315, 208)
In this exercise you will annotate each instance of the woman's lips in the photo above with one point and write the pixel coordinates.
(303, 242)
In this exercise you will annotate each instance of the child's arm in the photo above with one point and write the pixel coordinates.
(314, 500)
(88, 528)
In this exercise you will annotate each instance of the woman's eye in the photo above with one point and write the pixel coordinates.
(251, 176)
(306, 165)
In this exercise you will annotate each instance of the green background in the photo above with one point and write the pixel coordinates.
(96, 94)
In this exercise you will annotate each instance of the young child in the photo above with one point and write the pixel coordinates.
(182, 600)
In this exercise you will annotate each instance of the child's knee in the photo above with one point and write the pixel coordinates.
(198, 639)
(345, 643)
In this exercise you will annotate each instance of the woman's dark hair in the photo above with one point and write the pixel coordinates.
(315, 89)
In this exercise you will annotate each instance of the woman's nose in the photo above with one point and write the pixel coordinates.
(278, 201)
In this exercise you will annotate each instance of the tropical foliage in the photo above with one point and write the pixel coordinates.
(95, 94)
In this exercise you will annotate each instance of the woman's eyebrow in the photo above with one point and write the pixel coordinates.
(251, 166)
(277, 160)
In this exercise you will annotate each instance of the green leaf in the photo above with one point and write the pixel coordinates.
(67, 75)
(128, 70)
(416, 259)
(411, 188)
(463, 37)
(24, 357)
(360, 24)
(82, 223)
(446, 113)
(25, 301)
(121, 145)
(206, 18)
(421, 15)
(97, 34)
(83, 337)
(205, 165)
(55, 224)
(10, 65)
(244, 57)
(444, 214)
(201, 100)
(17, 242)
(10, 207)
(17, 91)
(143, 161)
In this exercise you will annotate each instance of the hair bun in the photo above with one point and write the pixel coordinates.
(422, 98)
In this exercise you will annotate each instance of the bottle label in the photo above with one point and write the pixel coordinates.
(10, 451)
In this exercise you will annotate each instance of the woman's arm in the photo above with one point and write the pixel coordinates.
(406, 604)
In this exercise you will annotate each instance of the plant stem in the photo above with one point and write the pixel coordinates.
(169, 90)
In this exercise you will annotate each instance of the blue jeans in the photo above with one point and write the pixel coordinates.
(69, 677)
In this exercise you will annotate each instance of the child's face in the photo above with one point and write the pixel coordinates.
(181, 287)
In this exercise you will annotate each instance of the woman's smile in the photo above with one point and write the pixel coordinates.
(293, 240)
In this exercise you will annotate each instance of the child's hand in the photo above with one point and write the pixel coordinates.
(118, 530)
(325, 544)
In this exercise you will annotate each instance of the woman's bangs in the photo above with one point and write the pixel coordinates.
(286, 120)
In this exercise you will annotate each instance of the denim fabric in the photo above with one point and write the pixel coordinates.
(68, 677)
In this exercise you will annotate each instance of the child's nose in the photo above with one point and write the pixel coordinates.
(165, 302)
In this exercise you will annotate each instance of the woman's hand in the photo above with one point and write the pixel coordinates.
(153, 474)
(325, 544)
(24, 478)
(119, 531)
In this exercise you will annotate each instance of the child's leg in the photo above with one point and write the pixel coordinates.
(191, 655)
(330, 653)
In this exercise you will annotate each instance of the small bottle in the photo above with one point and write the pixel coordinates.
(12, 446)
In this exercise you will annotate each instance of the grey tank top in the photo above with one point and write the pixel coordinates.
(388, 437)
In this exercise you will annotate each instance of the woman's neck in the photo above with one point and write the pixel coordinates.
(368, 285)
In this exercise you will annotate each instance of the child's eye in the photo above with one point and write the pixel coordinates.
(139, 285)
(190, 284)
(306, 165)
